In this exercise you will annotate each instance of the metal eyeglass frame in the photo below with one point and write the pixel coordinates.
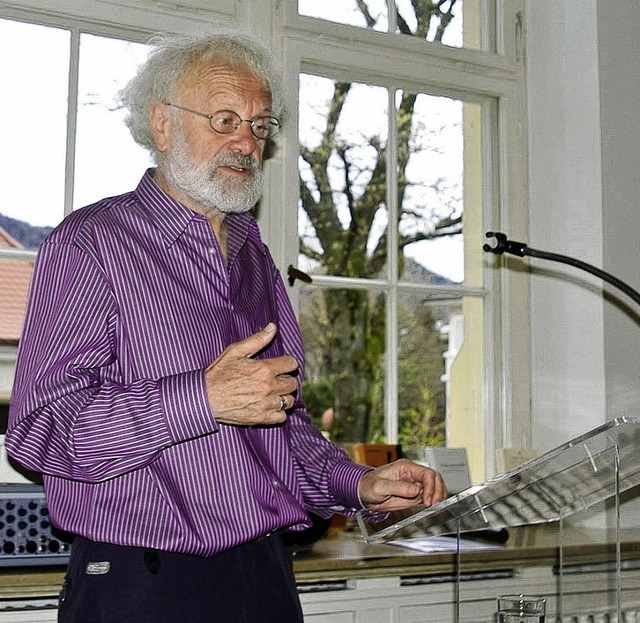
(272, 126)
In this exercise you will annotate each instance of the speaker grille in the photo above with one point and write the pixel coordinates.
(26, 534)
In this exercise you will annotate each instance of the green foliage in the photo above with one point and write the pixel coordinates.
(421, 400)
(421, 425)
(318, 396)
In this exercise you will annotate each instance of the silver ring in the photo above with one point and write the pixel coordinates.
(283, 403)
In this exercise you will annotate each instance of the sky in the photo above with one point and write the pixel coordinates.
(107, 161)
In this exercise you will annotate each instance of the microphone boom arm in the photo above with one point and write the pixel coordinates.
(504, 245)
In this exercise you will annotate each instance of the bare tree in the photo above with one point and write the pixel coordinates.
(346, 337)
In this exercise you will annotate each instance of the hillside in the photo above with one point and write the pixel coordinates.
(29, 236)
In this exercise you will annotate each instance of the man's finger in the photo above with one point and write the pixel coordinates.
(254, 343)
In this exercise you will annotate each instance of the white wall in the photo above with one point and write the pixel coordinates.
(583, 88)
(565, 181)
(584, 134)
(619, 56)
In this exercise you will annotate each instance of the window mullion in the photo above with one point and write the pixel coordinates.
(393, 16)
(391, 388)
(72, 117)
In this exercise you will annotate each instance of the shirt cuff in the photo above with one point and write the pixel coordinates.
(186, 407)
(344, 483)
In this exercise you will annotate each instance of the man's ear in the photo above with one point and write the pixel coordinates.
(160, 126)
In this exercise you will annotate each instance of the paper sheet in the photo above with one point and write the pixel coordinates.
(432, 544)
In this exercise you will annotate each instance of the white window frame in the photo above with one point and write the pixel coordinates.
(307, 44)
(338, 51)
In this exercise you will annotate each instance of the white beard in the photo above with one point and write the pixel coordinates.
(201, 184)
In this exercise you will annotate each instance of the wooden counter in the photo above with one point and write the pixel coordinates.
(344, 556)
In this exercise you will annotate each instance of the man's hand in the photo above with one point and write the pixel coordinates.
(400, 485)
(246, 391)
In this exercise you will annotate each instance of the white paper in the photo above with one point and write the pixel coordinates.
(453, 464)
(432, 544)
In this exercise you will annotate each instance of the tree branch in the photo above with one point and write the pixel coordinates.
(364, 9)
(446, 227)
(323, 213)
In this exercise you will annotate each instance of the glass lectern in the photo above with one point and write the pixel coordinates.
(573, 477)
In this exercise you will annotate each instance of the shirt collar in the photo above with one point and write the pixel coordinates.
(242, 227)
(167, 214)
(172, 218)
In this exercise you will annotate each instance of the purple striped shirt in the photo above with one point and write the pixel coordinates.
(130, 301)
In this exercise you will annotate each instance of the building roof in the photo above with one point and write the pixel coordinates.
(7, 241)
(15, 276)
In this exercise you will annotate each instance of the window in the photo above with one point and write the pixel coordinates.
(105, 66)
(398, 181)
(389, 217)
(389, 170)
(454, 23)
(78, 113)
(50, 160)
(42, 54)
(405, 241)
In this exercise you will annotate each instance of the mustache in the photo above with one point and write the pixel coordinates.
(246, 162)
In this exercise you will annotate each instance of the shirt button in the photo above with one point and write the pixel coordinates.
(211, 250)
(276, 484)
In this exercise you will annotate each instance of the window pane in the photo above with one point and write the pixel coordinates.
(15, 276)
(344, 336)
(465, 370)
(430, 174)
(368, 14)
(108, 162)
(342, 210)
(454, 23)
(438, 21)
(32, 160)
(428, 340)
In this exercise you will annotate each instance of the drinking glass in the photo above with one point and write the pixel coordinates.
(521, 609)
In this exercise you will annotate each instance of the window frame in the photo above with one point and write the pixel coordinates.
(76, 29)
(497, 81)
(311, 45)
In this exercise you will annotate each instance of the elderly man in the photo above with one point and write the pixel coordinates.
(158, 380)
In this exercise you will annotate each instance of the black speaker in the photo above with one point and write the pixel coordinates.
(26, 535)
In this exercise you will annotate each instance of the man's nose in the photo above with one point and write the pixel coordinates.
(244, 138)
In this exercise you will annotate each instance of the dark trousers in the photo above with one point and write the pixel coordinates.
(251, 583)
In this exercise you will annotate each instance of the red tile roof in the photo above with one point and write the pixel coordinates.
(15, 276)
(7, 241)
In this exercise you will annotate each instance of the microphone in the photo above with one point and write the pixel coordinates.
(504, 245)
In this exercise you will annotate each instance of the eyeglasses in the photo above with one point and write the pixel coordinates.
(227, 122)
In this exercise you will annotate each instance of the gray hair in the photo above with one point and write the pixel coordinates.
(172, 56)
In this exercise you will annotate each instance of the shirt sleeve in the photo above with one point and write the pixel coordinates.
(329, 478)
(70, 415)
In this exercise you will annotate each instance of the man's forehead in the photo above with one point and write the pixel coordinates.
(212, 69)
